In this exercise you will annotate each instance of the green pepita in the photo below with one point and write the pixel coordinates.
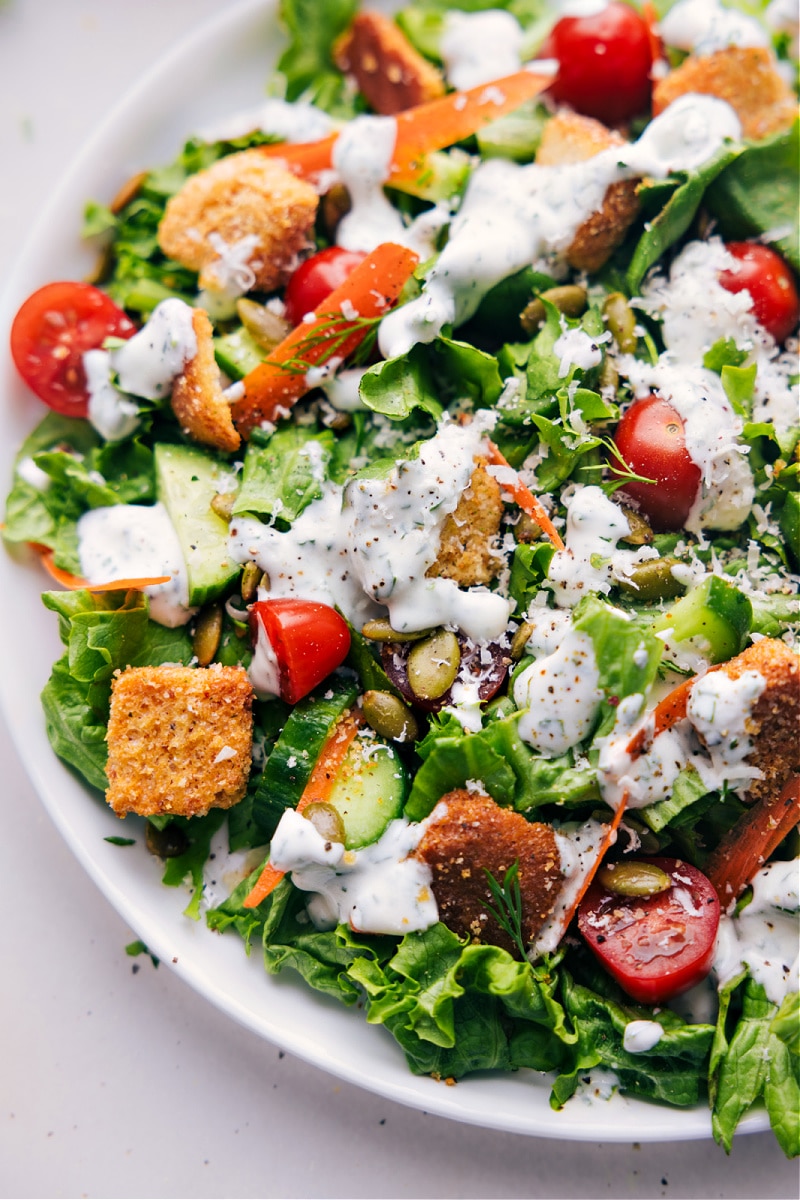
(380, 630)
(652, 580)
(389, 716)
(207, 634)
(326, 820)
(621, 320)
(433, 665)
(222, 504)
(520, 640)
(569, 299)
(633, 879)
(252, 577)
(263, 325)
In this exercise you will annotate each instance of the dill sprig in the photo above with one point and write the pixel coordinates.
(508, 900)
(330, 331)
(623, 471)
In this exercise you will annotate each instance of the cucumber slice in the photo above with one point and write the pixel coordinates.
(297, 749)
(238, 353)
(715, 615)
(187, 480)
(370, 790)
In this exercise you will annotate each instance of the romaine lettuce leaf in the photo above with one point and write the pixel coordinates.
(283, 472)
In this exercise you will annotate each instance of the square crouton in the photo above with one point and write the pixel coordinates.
(179, 740)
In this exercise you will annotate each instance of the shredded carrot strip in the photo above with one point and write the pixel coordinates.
(317, 790)
(746, 847)
(369, 291)
(77, 582)
(608, 841)
(667, 713)
(525, 498)
(425, 128)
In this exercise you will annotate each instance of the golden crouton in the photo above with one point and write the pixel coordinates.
(571, 138)
(197, 398)
(467, 550)
(179, 740)
(476, 835)
(245, 201)
(390, 73)
(774, 723)
(745, 76)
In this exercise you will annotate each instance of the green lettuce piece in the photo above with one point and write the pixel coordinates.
(528, 571)
(667, 226)
(283, 472)
(672, 1072)
(307, 63)
(397, 386)
(755, 196)
(786, 1023)
(750, 1064)
(627, 654)
(687, 788)
(463, 371)
(190, 864)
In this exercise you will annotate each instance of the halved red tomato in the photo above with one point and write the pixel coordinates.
(52, 331)
(763, 273)
(650, 437)
(307, 639)
(655, 946)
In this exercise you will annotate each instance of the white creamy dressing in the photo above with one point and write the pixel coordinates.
(379, 889)
(513, 216)
(133, 541)
(711, 432)
(712, 738)
(480, 47)
(27, 470)
(590, 560)
(561, 696)
(264, 671)
(370, 544)
(230, 275)
(704, 26)
(641, 1036)
(696, 311)
(764, 936)
(148, 364)
(574, 348)
(579, 847)
(295, 122)
(113, 414)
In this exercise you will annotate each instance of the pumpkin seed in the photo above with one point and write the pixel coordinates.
(380, 630)
(621, 320)
(263, 325)
(326, 820)
(222, 504)
(520, 640)
(128, 191)
(568, 298)
(652, 580)
(169, 842)
(252, 577)
(389, 716)
(641, 534)
(433, 664)
(207, 633)
(633, 879)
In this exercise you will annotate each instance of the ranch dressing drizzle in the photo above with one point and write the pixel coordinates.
(763, 937)
(297, 122)
(479, 47)
(561, 696)
(133, 541)
(113, 414)
(148, 364)
(703, 26)
(378, 889)
(641, 1036)
(512, 216)
(362, 156)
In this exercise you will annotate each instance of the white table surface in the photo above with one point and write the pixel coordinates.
(115, 1079)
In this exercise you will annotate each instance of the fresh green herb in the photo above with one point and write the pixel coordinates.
(120, 841)
(508, 901)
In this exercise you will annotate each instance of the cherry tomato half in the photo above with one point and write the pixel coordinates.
(308, 640)
(658, 946)
(605, 61)
(316, 278)
(650, 437)
(51, 332)
(769, 280)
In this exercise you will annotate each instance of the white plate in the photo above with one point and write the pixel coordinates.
(230, 57)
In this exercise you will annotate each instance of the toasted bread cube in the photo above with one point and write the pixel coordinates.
(197, 400)
(245, 216)
(390, 73)
(475, 835)
(179, 740)
(468, 545)
(774, 722)
(744, 76)
(571, 138)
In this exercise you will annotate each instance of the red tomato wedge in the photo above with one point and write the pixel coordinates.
(657, 946)
(763, 273)
(605, 61)
(309, 640)
(52, 331)
(316, 278)
(650, 437)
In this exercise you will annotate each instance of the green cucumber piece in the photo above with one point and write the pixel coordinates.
(187, 479)
(715, 616)
(370, 790)
(789, 522)
(292, 760)
(238, 353)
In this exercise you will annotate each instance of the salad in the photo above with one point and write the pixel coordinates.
(421, 481)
